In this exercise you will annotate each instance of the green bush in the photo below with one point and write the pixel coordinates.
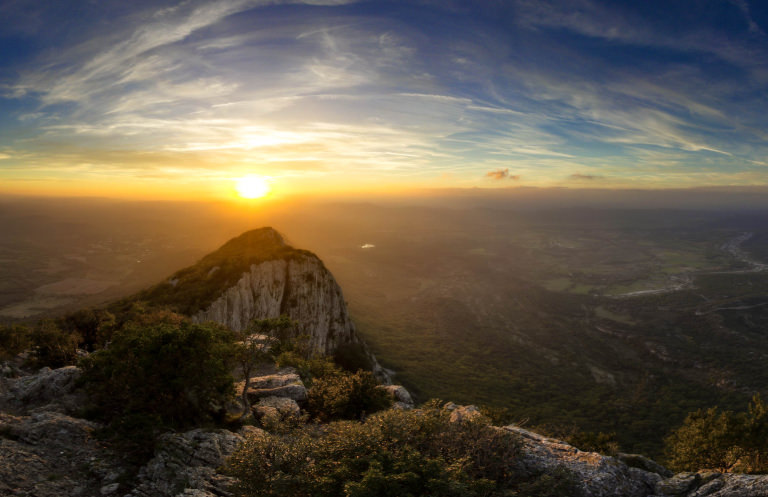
(308, 369)
(94, 326)
(708, 439)
(603, 443)
(722, 440)
(162, 375)
(14, 339)
(394, 453)
(52, 346)
(346, 396)
(352, 356)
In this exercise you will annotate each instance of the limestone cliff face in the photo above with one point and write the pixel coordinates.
(300, 288)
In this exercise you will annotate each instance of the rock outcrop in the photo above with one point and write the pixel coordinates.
(44, 450)
(597, 475)
(47, 390)
(186, 464)
(710, 484)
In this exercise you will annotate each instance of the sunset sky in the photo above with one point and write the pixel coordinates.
(180, 98)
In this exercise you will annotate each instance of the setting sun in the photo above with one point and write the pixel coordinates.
(252, 187)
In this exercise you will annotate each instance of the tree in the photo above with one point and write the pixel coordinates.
(161, 375)
(708, 439)
(755, 439)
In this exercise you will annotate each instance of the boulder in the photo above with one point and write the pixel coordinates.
(400, 396)
(287, 385)
(463, 414)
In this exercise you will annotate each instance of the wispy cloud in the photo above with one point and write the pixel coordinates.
(236, 84)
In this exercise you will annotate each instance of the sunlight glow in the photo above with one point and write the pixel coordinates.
(252, 187)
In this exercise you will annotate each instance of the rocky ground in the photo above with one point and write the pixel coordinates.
(46, 450)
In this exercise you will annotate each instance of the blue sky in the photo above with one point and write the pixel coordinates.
(342, 95)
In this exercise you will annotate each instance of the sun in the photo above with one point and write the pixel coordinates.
(252, 187)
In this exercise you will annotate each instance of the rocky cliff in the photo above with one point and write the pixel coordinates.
(259, 276)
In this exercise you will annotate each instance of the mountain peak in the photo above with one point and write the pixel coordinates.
(265, 239)
(194, 288)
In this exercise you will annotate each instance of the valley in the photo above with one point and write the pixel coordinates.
(565, 320)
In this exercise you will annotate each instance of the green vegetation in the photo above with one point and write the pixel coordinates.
(94, 327)
(170, 374)
(391, 454)
(54, 342)
(14, 339)
(722, 440)
(52, 346)
(346, 396)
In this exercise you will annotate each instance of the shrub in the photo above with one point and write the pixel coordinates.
(308, 369)
(394, 453)
(722, 440)
(14, 339)
(352, 356)
(346, 396)
(708, 439)
(52, 346)
(163, 375)
(604, 443)
(95, 327)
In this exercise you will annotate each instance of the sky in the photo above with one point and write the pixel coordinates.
(182, 98)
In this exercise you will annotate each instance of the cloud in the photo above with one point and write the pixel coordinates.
(500, 174)
(584, 177)
(497, 174)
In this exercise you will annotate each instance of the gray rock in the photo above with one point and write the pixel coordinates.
(187, 461)
(597, 475)
(462, 414)
(53, 429)
(641, 462)
(283, 406)
(679, 484)
(109, 489)
(401, 397)
(46, 390)
(194, 492)
(50, 454)
(734, 485)
(277, 385)
(709, 488)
